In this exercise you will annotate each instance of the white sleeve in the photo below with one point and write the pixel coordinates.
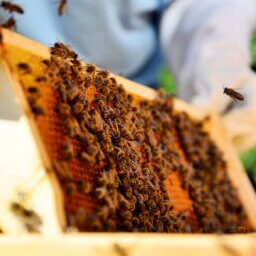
(206, 45)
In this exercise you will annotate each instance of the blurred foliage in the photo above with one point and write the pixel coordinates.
(249, 158)
(249, 161)
(166, 80)
(253, 52)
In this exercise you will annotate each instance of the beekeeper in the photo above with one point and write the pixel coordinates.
(205, 44)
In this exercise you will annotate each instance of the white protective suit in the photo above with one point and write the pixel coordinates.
(207, 46)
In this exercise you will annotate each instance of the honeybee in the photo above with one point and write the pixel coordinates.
(127, 215)
(72, 126)
(84, 187)
(103, 179)
(9, 6)
(98, 81)
(90, 68)
(30, 218)
(127, 225)
(78, 108)
(129, 98)
(67, 151)
(233, 94)
(62, 170)
(103, 212)
(103, 73)
(100, 193)
(70, 188)
(41, 79)
(61, 7)
(64, 109)
(113, 80)
(120, 154)
(90, 160)
(138, 135)
(105, 134)
(33, 90)
(73, 93)
(126, 134)
(95, 124)
(10, 23)
(46, 63)
(37, 110)
(24, 67)
(67, 49)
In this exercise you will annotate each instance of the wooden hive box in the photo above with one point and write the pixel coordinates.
(17, 48)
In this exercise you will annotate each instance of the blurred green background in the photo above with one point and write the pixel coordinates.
(168, 84)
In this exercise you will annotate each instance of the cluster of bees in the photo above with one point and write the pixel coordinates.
(11, 8)
(215, 201)
(126, 147)
(112, 136)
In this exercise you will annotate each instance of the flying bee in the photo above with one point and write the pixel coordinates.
(10, 7)
(10, 23)
(61, 7)
(233, 94)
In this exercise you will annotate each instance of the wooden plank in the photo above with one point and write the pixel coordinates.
(235, 170)
(123, 244)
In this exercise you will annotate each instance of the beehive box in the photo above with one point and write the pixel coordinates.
(19, 49)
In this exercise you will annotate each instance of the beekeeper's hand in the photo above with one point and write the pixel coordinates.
(207, 47)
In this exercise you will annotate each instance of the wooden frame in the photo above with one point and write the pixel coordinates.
(105, 241)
